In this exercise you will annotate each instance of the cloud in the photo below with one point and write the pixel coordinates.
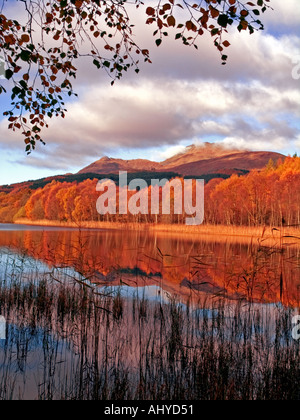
(164, 113)
(170, 151)
(284, 17)
(183, 97)
(260, 143)
(297, 143)
(265, 55)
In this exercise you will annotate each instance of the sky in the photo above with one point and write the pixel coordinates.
(184, 97)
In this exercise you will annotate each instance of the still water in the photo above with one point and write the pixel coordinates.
(87, 311)
(185, 267)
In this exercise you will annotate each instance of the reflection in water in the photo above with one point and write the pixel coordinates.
(127, 315)
(185, 267)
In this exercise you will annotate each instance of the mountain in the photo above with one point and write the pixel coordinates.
(108, 165)
(227, 164)
(208, 158)
(195, 153)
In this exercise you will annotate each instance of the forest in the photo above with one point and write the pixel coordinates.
(270, 197)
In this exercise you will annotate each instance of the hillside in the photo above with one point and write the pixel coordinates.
(227, 164)
(208, 158)
(207, 161)
(108, 165)
(195, 153)
(269, 197)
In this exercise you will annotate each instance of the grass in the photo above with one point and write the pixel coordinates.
(68, 340)
(243, 233)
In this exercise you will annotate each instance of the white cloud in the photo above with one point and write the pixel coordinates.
(159, 113)
(284, 17)
(253, 143)
(297, 143)
(162, 155)
(252, 102)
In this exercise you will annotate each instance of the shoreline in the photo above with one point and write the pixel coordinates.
(288, 234)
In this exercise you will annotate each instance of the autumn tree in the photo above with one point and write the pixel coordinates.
(12, 205)
(270, 197)
(84, 202)
(41, 49)
(34, 208)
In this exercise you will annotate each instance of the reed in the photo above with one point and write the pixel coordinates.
(69, 340)
(241, 233)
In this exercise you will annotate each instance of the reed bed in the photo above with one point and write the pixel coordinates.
(243, 233)
(70, 340)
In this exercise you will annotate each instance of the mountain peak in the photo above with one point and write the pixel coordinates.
(196, 160)
(107, 165)
(200, 151)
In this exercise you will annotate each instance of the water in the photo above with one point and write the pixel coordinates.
(122, 314)
(179, 266)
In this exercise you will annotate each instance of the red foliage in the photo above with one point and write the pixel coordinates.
(268, 197)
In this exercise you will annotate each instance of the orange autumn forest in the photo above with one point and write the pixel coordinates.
(149, 203)
(266, 197)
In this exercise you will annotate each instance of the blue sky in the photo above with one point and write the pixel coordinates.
(184, 97)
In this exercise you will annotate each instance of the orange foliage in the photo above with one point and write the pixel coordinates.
(268, 197)
(188, 268)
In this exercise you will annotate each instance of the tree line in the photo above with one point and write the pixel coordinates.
(268, 197)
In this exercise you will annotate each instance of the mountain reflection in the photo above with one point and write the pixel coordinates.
(185, 267)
